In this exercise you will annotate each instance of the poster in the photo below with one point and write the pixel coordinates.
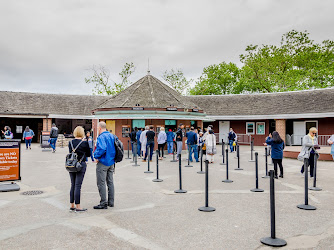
(260, 128)
(45, 137)
(10, 160)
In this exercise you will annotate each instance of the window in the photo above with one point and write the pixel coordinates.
(138, 123)
(260, 128)
(125, 131)
(250, 128)
(170, 122)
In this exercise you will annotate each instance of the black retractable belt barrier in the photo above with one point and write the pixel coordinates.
(223, 154)
(252, 149)
(174, 160)
(128, 150)
(157, 179)
(238, 157)
(306, 206)
(148, 161)
(227, 180)
(315, 188)
(272, 240)
(256, 189)
(266, 155)
(206, 208)
(180, 190)
(201, 172)
(135, 149)
(189, 152)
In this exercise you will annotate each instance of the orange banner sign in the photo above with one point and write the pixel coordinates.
(9, 160)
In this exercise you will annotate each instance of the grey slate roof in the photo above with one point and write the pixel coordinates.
(295, 102)
(148, 92)
(37, 103)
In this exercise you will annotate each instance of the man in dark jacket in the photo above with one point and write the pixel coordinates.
(133, 137)
(53, 137)
(231, 139)
(192, 144)
(179, 137)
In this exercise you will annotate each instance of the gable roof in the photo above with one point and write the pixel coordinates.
(294, 102)
(148, 92)
(23, 103)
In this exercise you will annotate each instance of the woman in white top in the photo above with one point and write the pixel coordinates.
(162, 138)
(211, 148)
(143, 140)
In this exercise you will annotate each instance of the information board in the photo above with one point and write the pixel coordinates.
(45, 137)
(10, 160)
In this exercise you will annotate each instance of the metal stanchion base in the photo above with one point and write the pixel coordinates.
(257, 190)
(173, 161)
(132, 162)
(9, 187)
(148, 172)
(306, 207)
(315, 188)
(251, 160)
(274, 242)
(128, 158)
(136, 165)
(207, 209)
(200, 172)
(222, 163)
(188, 166)
(227, 181)
(157, 180)
(180, 191)
(238, 169)
(266, 176)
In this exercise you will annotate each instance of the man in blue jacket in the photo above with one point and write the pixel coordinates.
(105, 156)
(138, 142)
(192, 144)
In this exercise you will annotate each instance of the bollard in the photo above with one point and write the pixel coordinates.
(238, 157)
(189, 150)
(272, 240)
(157, 179)
(136, 148)
(227, 180)
(223, 149)
(252, 150)
(315, 188)
(306, 206)
(266, 155)
(180, 190)
(206, 208)
(256, 189)
(148, 161)
(128, 150)
(201, 172)
(174, 160)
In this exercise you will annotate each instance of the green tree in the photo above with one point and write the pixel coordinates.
(298, 63)
(103, 85)
(218, 79)
(177, 80)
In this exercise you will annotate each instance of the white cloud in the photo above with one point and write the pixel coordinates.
(47, 46)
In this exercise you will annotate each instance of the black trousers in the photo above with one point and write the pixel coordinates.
(310, 163)
(161, 147)
(76, 182)
(279, 163)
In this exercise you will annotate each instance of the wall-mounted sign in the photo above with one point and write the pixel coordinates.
(137, 108)
(171, 108)
(10, 160)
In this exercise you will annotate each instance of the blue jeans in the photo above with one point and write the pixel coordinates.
(28, 143)
(76, 182)
(193, 149)
(151, 145)
(231, 145)
(53, 143)
(170, 147)
(139, 149)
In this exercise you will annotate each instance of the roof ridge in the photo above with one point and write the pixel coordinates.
(126, 99)
(152, 92)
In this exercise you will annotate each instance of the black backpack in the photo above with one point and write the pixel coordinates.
(119, 150)
(72, 164)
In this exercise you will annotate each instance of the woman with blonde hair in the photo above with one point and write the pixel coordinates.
(162, 138)
(81, 147)
(310, 144)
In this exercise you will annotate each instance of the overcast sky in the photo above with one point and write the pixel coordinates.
(49, 46)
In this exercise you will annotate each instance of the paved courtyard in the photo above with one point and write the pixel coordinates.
(149, 215)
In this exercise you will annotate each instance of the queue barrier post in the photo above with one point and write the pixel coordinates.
(272, 240)
(174, 160)
(189, 153)
(256, 189)
(157, 179)
(306, 206)
(136, 156)
(315, 188)
(201, 172)
(223, 154)
(148, 160)
(227, 180)
(206, 208)
(238, 157)
(266, 155)
(128, 150)
(180, 190)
